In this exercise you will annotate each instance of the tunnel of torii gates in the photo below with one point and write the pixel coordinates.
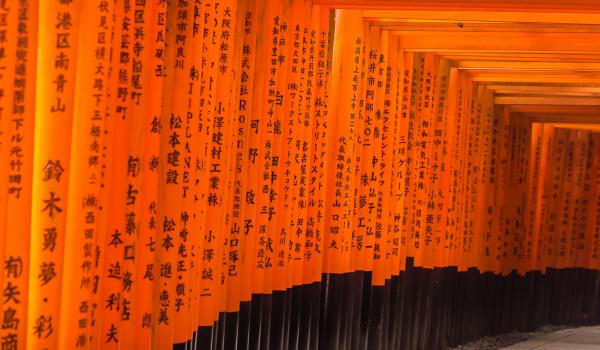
(265, 174)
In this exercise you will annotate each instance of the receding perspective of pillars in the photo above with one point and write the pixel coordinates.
(295, 174)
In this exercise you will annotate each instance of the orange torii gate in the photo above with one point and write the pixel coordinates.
(334, 174)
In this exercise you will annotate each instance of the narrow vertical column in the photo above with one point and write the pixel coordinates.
(58, 29)
(17, 123)
(146, 167)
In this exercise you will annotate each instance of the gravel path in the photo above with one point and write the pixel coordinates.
(504, 340)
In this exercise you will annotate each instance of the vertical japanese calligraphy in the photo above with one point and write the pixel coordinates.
(255, 174)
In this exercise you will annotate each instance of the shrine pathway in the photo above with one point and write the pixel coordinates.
(583, 338)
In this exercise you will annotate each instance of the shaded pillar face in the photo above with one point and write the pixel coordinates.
(262, 174)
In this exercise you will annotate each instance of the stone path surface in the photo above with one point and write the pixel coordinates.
(583, 338)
